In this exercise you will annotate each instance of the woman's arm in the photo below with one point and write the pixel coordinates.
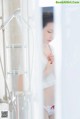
(48, 69)
(50, 58)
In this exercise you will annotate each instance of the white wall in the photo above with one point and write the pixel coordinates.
(70, 61)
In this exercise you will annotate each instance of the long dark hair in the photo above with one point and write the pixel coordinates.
(47, 16)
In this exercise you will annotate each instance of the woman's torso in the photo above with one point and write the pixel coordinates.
(48, 80)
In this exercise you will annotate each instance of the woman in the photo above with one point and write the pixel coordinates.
(49, 78)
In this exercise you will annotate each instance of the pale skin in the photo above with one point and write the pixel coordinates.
(49, 93)
(20, 83)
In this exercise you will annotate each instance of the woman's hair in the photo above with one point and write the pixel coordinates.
(47, 18)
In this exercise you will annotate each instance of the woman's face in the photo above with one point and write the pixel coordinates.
(48, 33)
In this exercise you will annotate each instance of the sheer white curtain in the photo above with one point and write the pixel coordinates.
(23, 52)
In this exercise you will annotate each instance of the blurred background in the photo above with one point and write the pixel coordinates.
(67, 47)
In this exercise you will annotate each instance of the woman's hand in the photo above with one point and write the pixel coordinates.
(48, 54)
(49, 66)
(50, 58)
